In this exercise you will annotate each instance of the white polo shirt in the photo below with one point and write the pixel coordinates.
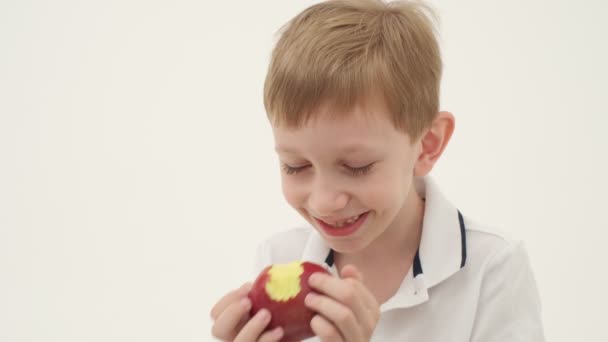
(467, 282)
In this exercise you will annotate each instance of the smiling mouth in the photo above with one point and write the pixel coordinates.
(343, 228)
(342, 223)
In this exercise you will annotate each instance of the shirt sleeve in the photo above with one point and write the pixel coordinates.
(509, 307)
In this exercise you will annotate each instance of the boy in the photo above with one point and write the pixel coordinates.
(352, 94)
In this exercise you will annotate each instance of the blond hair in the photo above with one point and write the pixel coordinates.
(348, 51)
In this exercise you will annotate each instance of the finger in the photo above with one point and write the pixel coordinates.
(351, 271)
(326, 331)
(271, 336)
(229, 298)
(340, 315)
(369, 317)
(254, 328)
(346, 291)
(353, 293)
(231, 319)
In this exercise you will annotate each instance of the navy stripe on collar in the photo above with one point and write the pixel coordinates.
(417, 263)
(463, 240)
(330, 258)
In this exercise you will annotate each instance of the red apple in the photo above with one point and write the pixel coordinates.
(281, 288)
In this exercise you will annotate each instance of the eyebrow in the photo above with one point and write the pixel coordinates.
(345, 149)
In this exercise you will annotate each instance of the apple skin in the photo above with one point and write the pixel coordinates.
(292, 315)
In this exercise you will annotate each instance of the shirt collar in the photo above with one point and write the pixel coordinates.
(442, 250)
(443, 242)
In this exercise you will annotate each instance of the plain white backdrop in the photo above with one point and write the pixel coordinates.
(137, 171)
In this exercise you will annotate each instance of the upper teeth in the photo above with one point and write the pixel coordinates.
(342, 223)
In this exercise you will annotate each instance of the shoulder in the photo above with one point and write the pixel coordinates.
(485, 240)
(486, 244)
(505, 286)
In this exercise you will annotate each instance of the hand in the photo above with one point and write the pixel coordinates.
(232, 321)
(347, 310)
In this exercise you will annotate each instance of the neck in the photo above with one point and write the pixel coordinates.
(400, 240)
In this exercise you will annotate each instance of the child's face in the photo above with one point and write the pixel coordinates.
(335, 169)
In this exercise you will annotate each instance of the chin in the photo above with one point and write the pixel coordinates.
(352, 246)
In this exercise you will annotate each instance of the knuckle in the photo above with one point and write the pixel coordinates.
(348, 295)
(328, 333)
(344, 316)
(371, 326)
(221, 305)
(377, 315)
(217, 332)
(323, 330)
(213, 313)
(216, 311)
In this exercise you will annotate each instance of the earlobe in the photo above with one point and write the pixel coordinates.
(433, 142)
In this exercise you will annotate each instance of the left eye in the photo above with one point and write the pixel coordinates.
(357, 171)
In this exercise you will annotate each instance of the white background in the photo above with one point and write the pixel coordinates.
(137, 170)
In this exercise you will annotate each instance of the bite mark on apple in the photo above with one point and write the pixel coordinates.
(284, 282)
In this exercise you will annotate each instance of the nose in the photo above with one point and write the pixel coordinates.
(326, 199)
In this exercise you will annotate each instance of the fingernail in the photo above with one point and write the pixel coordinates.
(264, 315)
(313, 279)
(310, 298)
(277, 333)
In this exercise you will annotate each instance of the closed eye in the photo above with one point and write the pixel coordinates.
(358, 171)
(355, 171)
(292, 170)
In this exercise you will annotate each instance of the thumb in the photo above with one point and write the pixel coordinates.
(350, 271)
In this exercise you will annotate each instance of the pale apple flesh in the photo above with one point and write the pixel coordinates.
(281, 289)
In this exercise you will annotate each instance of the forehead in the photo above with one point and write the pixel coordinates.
(361, 128)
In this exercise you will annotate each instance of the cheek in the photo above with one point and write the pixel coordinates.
(374, 193)
(386, 192)
(293, 193)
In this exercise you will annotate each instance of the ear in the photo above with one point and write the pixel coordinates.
(433, 142)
